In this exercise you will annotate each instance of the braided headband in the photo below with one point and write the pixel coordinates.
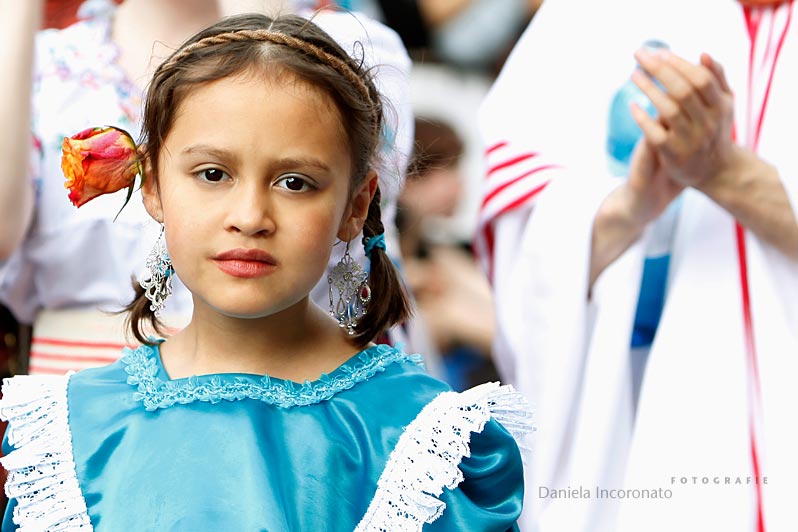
(286, 40)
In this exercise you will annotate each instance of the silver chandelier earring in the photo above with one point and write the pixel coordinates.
(349, 292)
(157, 284)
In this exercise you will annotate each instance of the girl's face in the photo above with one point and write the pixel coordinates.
(253, 191)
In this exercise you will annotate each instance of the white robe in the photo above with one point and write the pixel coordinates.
(544, 127)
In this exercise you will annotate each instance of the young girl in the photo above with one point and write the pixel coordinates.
(263, 413)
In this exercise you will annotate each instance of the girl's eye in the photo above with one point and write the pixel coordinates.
(294, 183)
(212, 175)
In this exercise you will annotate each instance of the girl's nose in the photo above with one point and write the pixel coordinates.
(249, 211)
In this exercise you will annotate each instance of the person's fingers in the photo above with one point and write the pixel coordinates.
(653, 131)
(643, 160)
(669, 111)
(677, 83)
(717, 70)
(700, 77)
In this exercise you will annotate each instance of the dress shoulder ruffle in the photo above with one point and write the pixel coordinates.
(427, 457)
(41, 467)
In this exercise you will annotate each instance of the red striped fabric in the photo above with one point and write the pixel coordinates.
(76, 339)
(58, 356)
(515, 176)
(762, 60)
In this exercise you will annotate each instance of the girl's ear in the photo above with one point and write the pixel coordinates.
(358, 209)
(150, 193)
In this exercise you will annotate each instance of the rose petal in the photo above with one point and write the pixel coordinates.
(98, 161)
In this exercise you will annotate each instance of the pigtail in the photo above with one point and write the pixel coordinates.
(141, 319)
(389, 304)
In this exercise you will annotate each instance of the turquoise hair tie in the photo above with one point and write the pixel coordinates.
(377, 241)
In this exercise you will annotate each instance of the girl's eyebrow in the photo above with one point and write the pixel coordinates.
(293, 162)
(280, 164)
(213, 151)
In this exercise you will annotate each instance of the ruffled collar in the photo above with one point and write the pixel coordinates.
(156, 390)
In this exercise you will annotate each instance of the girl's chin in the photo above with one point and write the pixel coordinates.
(238, 313)
(248, 311)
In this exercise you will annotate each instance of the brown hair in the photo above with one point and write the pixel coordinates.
(436, 145)
(273, 45)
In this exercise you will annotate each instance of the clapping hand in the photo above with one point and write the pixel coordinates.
(692, 137)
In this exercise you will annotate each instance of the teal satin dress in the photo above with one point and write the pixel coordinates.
(243, 452)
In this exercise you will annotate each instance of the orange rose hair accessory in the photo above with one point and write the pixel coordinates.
(98, 161)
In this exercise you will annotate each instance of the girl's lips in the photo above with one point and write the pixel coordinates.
(245, 263)
(245, 268)
(246, 254)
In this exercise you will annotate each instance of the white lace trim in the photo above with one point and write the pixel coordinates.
(41, 468)
(427, 457)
